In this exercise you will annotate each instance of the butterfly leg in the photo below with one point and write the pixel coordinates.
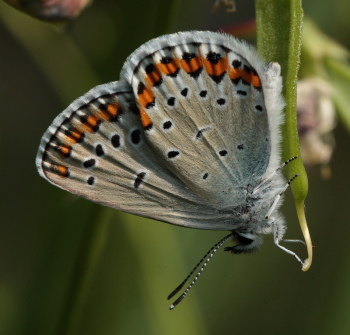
(278, 197)
(289, 252)
(294, 241)
(277, 240)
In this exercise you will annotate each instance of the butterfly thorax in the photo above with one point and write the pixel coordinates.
(249, 216)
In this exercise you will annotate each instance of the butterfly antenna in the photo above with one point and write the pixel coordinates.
(207, 257)
(263, 182)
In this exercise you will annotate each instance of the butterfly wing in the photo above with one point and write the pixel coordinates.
(193, 120)
(96, 149)
(208, 106)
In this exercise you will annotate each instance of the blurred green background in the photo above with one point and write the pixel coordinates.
(68, 266)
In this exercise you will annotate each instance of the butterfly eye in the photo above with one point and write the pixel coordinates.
(247, 242)
(243, 239)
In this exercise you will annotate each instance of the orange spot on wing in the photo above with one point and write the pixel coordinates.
(249, 77)
(111, 111)
(235, 73)
(168, 69)
(75, 135)
(91, 122)
(64, 151)
(153, 78)
(246, 76)
(60, 170)
(146, 97)
(145, 119)
(216, 69)
(193, 65)
(256, 81)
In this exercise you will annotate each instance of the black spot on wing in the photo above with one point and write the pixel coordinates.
(99, 150)
(221, 101)
(167, 125)
(139, 179)
(136, 136)
(89, 163)
(140, 88)
(203, 93)
(173, 153)
(184, 92)
(187, 56)
(151, 104)
(218, 78)
(91, 181)
(236, 63)
(171, 101)
(115, 140)
(195, 74)
(166, 60)
(213, 57)
(149, 68)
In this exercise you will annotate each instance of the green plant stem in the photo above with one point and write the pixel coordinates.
(279, 27)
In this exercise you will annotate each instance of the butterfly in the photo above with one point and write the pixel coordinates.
(189, 135)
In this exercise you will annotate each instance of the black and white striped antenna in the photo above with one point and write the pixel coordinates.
(206, 259)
